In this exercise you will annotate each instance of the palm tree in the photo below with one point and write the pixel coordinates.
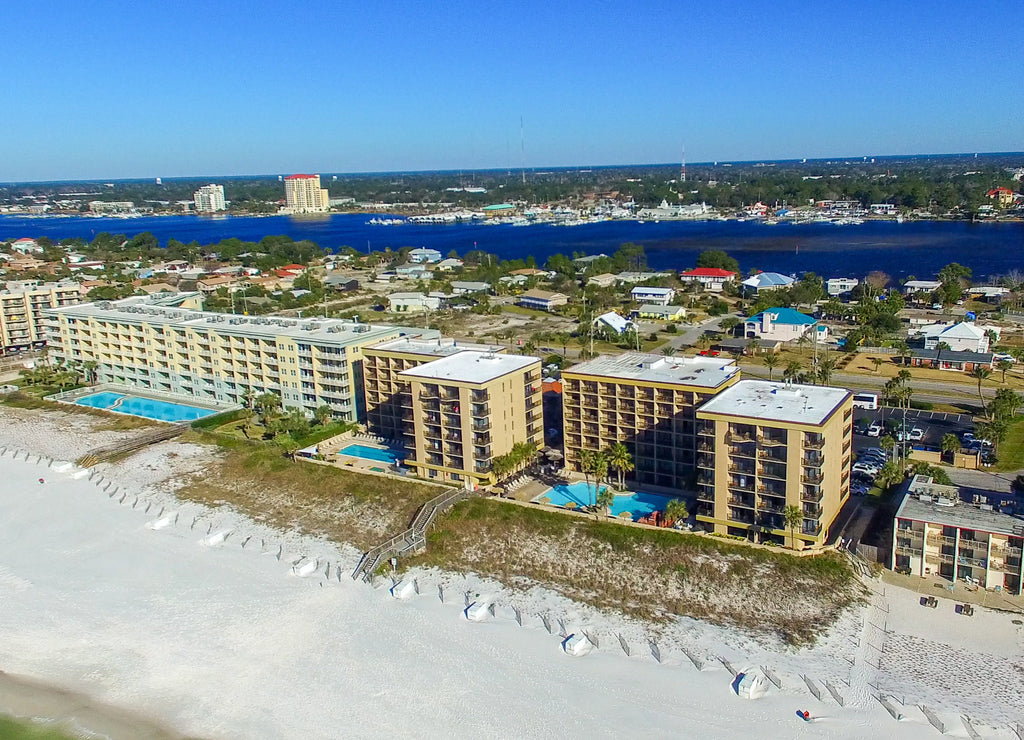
(792, 371)
(668, 351)
(323, 414)
(938, 351)
(90, 367)
(620, 461)
(825, 370)
(903, 350)
(1002, 366)
(604, 500)
(771, 361)
(981, 373)
(586, 462)
(753, 345)
(676, 510)
(877, 362)
(890, 475)
(793, 518)
(950, 445)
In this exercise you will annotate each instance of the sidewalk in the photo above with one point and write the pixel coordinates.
(961, 593)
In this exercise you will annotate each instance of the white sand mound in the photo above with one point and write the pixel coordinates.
(161, 523)
(305, 569)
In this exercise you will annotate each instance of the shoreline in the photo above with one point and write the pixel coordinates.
(40, 703)
(223, 640)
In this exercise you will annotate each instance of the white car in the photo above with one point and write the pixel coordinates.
(866, 469)
(875, 430)
(916, 434)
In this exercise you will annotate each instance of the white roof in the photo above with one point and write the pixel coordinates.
(471, 367)
(761, 399)
(704, 372)
(652, 291)
(615, 321)
(963, 330)
(922, 284)
(438, 347)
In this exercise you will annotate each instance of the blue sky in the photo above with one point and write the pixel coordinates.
(106, 89)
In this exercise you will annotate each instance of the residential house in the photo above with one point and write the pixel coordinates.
(542, 300)
(659, 313)
(1003, 196)
(463, 287)
(448, 264)
(614, 322)
(213, 283)
(962, 337)
(838, 286)
(341, 283)
(767, 281)
(604, 280)
(422, 255)
(920, 286)
(413, 302)
(781, 324)
(26, 246)
(654, 296)
(712, 279)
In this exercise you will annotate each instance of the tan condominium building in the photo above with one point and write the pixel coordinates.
(469, 408)
(210, 199)
(162, 345)
(937, 533)
(763, 446)
(303, 194)
(22, 322)
(648, 403)
(388, 396)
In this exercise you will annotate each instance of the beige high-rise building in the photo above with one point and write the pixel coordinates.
(763, 446)
(169, 346)
(388, 396)
(303, 194)
(22, 322)
(210, 199)
(467, 409)
(648, 403)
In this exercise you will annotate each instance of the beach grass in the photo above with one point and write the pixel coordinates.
(11, 729)
(645, 573)
(259, 480)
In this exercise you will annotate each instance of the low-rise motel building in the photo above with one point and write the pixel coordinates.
(648, 403)
(23, 324)
(939, 534)
(168, 345)
(469, 408)
(763, 446)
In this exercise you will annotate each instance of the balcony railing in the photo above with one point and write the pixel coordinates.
(814, 443)
(814, 478)
(706, 494)
(739, 437)
(812, 497)
(770, 440)
(746, 503)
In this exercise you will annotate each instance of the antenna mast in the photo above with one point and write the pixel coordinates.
(522, 149)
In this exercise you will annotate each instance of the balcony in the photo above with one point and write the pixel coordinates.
(772, 456)
(972, 562)
(813, 460)
(906, 549)
(745, 486)
(740, 518)
(742, 452)
(769, 507)
(815, 442)
(813, 497)
(706, 494)
(939, 539)
(747, 502)
(811, 529)
(771, 440)
(968, 544)
(707, 430)
(706, 461)
(731, 436)
(705, 479)
(812, 511)
(812, 477)
(741, 469)
(482, 425)
(771, 472)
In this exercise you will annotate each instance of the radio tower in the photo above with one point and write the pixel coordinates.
(682, 168)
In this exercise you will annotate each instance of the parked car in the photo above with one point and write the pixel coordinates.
(876, 451)
(875, 430)
(916, 434)
(872, 460)
(866, 469)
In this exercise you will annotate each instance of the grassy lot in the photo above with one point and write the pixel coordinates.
(1011, 451)
(523, 311)
(650, 574)
(11, 729)
(258, 480)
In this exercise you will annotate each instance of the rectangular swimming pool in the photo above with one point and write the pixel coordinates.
(148, 408)
(378, 454)
(638, 504)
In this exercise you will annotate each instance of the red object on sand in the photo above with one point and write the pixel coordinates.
(41, 480)
(807, 715)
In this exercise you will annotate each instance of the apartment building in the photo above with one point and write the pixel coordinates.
(303, 194)
(763, 446)
(22, 303)
(647, 402)
(210, 199)
(936, 533)
(388, 398)
(469, 408)
(162, 345)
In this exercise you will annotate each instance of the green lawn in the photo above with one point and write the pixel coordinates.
(11, 729)
(1011, 452)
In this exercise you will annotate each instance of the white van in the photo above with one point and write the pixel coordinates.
(865, 401)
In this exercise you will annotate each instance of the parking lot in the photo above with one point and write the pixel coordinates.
(935, 424)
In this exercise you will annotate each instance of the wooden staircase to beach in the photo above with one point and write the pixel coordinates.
(100, 454)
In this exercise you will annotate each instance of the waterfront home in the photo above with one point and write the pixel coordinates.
(604, 280)
(1003, 196)
(449, 264)
(938, 533)
(413, 302)
(767, 281)
(884, 209)
(655, 296)
(414, 272)
(710, 278)
(542, 300)
(614, 322)
(838, 286)
(531, 272)
(659, 313)
(920, 286)
(26, 245)
(781, 324)
(422, 255)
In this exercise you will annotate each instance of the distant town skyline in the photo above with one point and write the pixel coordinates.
(115, 90)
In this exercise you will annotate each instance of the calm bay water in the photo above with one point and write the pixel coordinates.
(920, 248)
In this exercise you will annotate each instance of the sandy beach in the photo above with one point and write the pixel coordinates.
(215, 626)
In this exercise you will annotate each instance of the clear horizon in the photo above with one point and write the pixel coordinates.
(128, 91)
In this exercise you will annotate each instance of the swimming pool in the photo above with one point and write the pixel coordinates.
(386, 455)
(638, 504)
(148, 408)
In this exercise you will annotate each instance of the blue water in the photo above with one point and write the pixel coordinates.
(373, 453)
(145, 407)
(917, 248)
(639, 504)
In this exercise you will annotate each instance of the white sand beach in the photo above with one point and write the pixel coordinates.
(217, 627)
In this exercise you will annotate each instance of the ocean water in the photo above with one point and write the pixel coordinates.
(913, 248)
